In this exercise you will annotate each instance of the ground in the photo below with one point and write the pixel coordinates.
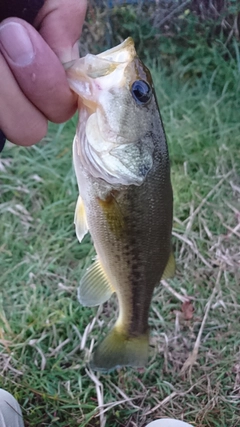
(46, 337)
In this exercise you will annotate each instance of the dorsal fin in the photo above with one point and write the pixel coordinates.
(170, 268)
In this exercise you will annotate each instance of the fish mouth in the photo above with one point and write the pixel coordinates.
(90, 75)
(124, 52)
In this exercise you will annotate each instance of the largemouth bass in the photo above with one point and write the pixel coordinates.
(121, 162)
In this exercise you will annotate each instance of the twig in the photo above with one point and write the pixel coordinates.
(170, 397)
(163, 402)
(191, 360)
(211, 192)
(193, 246)
(99, 391)
(180, 297)
(172, 13)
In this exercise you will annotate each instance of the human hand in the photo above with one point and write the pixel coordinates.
(33, 85)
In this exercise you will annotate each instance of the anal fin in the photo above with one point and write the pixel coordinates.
(80, 220)
(94, 288)
(170, 268)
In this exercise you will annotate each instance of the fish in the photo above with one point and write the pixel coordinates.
(122, 166)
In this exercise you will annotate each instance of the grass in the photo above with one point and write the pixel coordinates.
(46, 337)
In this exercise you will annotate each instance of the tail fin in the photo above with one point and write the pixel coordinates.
(117, 350)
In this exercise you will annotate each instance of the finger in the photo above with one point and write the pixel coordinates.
(20, 121)
(37, 70)
(60, 24)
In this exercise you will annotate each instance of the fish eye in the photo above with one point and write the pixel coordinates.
(141, 92)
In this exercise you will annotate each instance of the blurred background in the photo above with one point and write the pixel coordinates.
(166, 30)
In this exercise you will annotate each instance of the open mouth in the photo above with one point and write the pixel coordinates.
(90, 75)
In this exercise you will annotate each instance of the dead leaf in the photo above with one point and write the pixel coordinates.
(187, 310)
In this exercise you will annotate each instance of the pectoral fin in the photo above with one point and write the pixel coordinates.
(170, 268)
(94, 287)
(80, 220)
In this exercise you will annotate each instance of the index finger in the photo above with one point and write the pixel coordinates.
(60, 24)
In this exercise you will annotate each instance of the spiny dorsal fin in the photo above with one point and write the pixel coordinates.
(94, 287)
(170, 268)
(80, 220)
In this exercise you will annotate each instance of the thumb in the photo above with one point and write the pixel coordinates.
(60, 24)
